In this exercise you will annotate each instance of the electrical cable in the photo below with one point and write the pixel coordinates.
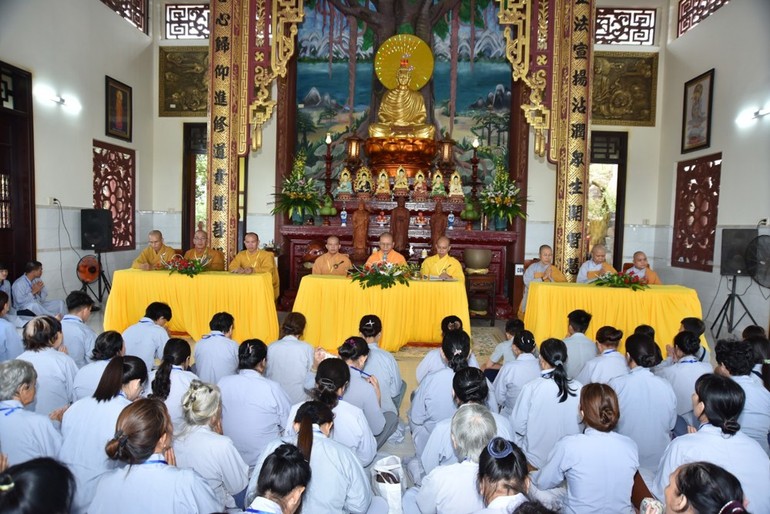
(711, 305)
(62, 223)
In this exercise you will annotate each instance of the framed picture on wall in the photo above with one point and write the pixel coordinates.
(696, 116)
(118, 117)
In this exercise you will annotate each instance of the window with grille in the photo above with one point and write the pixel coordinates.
(187, 21)
(618, 26)
(692, 12)
(133, 11)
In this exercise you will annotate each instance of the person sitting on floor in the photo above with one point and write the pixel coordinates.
(514, 375)
(10, 342)
(434, 359)
(147, 338)
(503, 477)
(289, 358)
(595, 267)
(609, 363)
(216, 354)
(581, 349)
(108, 344)
(79, 338)
(381, 363)
(155, 254)
(172, 378)
(503, 352)
(29, 294)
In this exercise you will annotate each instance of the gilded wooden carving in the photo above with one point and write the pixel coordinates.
(624, 89)
(184, 80)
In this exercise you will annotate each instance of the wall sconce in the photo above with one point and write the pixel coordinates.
(761, 113)
(353, 148)
(58, 100)
(446, 150)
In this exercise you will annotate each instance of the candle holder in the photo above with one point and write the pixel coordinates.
(328, 184)
(475, 170)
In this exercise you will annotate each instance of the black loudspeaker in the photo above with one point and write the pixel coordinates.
(96, 229)
(734, 243)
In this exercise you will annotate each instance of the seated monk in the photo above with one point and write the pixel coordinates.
(254, 260)
(200, 251)
(641, 269)
(150, 258)
(332, 262)
(443, 265)
(540, 271)
(595, 267)
(402, 111)
(386, 252)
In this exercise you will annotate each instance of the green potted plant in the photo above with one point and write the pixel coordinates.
(299, 196)
(501, 200)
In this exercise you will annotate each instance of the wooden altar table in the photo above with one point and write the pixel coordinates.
(193, 301)
(334, 306)
(661, 307)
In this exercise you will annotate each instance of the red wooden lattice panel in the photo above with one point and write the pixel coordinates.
(623, 26)
(695, 215)
(115, 190)
(692, 12)
(133, 11)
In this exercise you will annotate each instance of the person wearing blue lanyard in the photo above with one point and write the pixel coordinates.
(79, 338)
(24, 434)
(89, 423)
(147, 338)
(609, 363)
(682, 376)
(172, 379)
(216, 354)
(152, 482)
(282, 482)
(10, 342)
(108, 344)
(30, 294)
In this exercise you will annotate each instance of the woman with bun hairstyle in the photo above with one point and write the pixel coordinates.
(513, 375)
(703, 488)
(381, 363)
(108, 344)
(331, 383)
(547, 407)
(434, 360)
(717, 404)
(647, 402)
(284, 477)
(609, 363)
(150, 481)
(254, 408)
(433, 400)
(89, 423)
(172, 379)
(503, 477)
(201, 446)
(339, 483)
(364, 390)
(599, 465)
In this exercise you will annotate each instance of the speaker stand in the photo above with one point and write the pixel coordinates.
(727, 312)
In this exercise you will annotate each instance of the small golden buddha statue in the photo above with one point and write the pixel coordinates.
(402, 111)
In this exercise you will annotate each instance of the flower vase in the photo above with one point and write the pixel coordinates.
(500, 223)
(297, 218)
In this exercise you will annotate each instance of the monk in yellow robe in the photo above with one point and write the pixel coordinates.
(641, 269)
(156, 252)
(200, 250)
(402, 111)
(596, 266)
(442, 265)
(254, 260)
(542, 270)
(386, 252)
(332, 262)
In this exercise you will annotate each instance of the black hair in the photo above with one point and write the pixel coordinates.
(709, 488)
(450, 323)
(470, 385)
(503, 465)
(119, 372)
(694, 325)
(525, 341)
(222, 321)
(250, 353)
(175, 353)
(748, 332)
(37, 485)
(309, 414)
(157, 310)
(554, 352)
(76, 300)
(723, 401)
(353, 348)
(647, 330)
(643, 350)
(331, 375)
(609, 336)
(579, 320)
(687, 342)
(456, 346)
(107, 345)
(31, 266)
(4, 299)
(736, 356)
(370, 325)
(40, 333)
(514, 326)
(533, 507)
(761, 348)
(283, 470)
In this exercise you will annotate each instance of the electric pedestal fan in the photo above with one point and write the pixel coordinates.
(89, 270)
(758, 260)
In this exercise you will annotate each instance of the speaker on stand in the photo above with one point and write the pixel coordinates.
(734, 264)
(96, 235)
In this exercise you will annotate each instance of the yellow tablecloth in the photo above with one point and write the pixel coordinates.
(193, 301)
(333, 307)
(661, 307)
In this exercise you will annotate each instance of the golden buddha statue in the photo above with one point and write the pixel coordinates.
(402, 112)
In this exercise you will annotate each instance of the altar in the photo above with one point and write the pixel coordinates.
(333, 307)
(661, 307)
(193, 301)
